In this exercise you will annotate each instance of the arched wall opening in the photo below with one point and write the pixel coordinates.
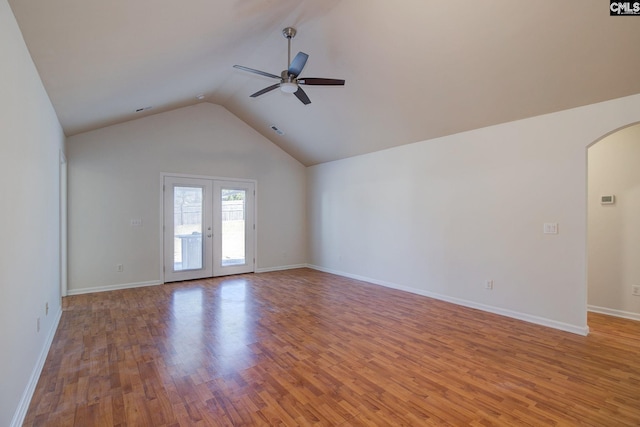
(613, 223)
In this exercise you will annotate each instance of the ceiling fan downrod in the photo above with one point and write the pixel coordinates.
(288, 34)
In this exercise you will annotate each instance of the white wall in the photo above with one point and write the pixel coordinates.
(440, 217)
(114, 176)
(614, 230)
(30, 142)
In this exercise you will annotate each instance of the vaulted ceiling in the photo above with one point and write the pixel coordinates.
(414, 69)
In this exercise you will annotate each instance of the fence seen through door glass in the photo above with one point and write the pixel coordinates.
(187, 228)
(233, 208)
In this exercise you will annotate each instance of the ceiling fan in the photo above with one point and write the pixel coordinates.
(290, 79)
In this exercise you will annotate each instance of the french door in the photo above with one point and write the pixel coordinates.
(208, 227)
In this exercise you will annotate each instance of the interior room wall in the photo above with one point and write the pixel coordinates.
(30, 142)
(614, 230)
(114, 176)
(442, 217)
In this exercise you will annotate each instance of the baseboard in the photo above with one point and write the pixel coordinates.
(112, 287)
(616, 313)
(25, 400)
(280, 268)
(157, 282)
(465, 303)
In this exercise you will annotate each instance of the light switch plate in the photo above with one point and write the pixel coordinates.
(550, 228)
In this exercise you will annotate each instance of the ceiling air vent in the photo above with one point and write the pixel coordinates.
(276, 130)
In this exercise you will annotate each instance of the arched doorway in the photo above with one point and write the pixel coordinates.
(613, 224)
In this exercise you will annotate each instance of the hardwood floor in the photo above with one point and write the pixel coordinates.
(302, 347)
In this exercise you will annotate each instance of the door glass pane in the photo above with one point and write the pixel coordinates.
(187, 228)
(233, 226)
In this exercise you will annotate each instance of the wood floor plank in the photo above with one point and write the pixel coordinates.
(306, 348)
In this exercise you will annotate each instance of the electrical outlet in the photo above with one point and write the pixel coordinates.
(119, 268)
(635, 290)
(488, 284)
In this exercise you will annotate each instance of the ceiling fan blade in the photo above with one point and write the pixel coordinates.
(251, 70)
(298, 63)
(320, 81)
(302, 96)
(265, 90)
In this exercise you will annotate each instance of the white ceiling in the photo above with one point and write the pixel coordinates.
(414, 69)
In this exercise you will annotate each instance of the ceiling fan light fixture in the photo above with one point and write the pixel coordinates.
(289, 87)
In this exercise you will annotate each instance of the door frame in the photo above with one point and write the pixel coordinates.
(63, 224)
(213, 178)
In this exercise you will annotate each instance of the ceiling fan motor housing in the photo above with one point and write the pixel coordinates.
(289, 83)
